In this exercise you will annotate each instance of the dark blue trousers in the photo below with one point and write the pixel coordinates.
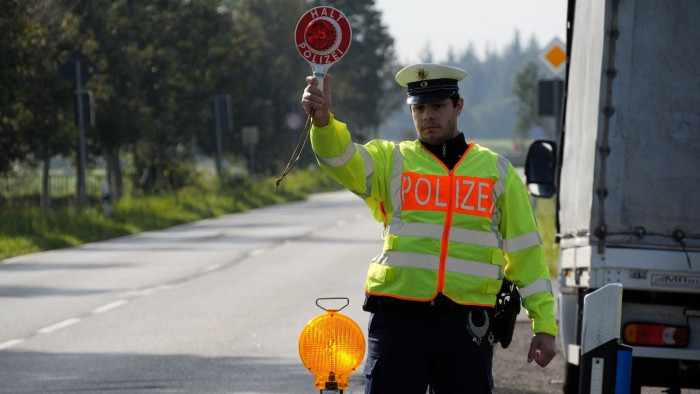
(410, 351)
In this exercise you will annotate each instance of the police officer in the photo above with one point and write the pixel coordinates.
(457, 220)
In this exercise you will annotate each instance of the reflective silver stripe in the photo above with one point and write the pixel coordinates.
(498, 187)
(502, 166)
(495, 226)
(473, 237)
(522, 242)
(498, 190)
(396, 185)
(369, 170)
(474, 268)
(428, 230)
(340, 160)
(409, 259)
(453, 264)
(538, 286)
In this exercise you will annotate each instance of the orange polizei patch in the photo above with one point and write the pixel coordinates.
(470, 195)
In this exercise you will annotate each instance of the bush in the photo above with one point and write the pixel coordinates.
(26, 228)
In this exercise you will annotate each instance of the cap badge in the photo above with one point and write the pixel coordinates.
(422, 74)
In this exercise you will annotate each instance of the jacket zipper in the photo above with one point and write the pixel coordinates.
(386, 219)
(446, 234)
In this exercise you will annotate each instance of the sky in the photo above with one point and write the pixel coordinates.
(487, 24)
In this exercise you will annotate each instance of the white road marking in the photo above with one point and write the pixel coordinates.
(10, 343)
(138, 293)
(213, 267)
(58, 326)
(257, 252)
(110, 306)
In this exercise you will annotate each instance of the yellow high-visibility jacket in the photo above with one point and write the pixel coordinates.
(454, 232)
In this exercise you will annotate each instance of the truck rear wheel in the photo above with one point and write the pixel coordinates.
(571, 377)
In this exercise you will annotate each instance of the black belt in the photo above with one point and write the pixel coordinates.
(440, 303)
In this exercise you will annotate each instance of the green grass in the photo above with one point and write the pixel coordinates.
(25, 228)
(26, 184)
(545, 212)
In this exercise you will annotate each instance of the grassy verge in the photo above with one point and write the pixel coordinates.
(545, 212)
(25, 228)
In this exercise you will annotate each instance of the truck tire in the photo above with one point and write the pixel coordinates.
(571, 377)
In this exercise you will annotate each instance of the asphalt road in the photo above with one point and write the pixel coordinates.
(214, 306)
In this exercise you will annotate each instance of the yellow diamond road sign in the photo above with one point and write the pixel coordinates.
(553, 56)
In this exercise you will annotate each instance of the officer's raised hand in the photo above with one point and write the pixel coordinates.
(318, 102)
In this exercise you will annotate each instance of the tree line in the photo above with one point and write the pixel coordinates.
(159, 64)
(500, 93)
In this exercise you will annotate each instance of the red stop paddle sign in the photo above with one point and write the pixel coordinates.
(322, 36)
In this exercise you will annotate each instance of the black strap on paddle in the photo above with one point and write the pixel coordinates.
(297, 151)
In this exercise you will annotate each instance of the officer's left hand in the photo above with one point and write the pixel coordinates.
(542, 349)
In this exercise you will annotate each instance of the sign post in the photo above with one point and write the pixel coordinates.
(550, 93)
(250, 135)
(79, 69)
(223, 123)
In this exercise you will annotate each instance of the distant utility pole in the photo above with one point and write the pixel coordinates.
(79, 69)
(223, 123)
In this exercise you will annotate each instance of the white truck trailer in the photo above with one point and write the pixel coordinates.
(626, 172)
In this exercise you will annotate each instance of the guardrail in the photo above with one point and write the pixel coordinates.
(59, 186)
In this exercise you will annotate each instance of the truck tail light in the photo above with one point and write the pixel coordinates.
(656, 334)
